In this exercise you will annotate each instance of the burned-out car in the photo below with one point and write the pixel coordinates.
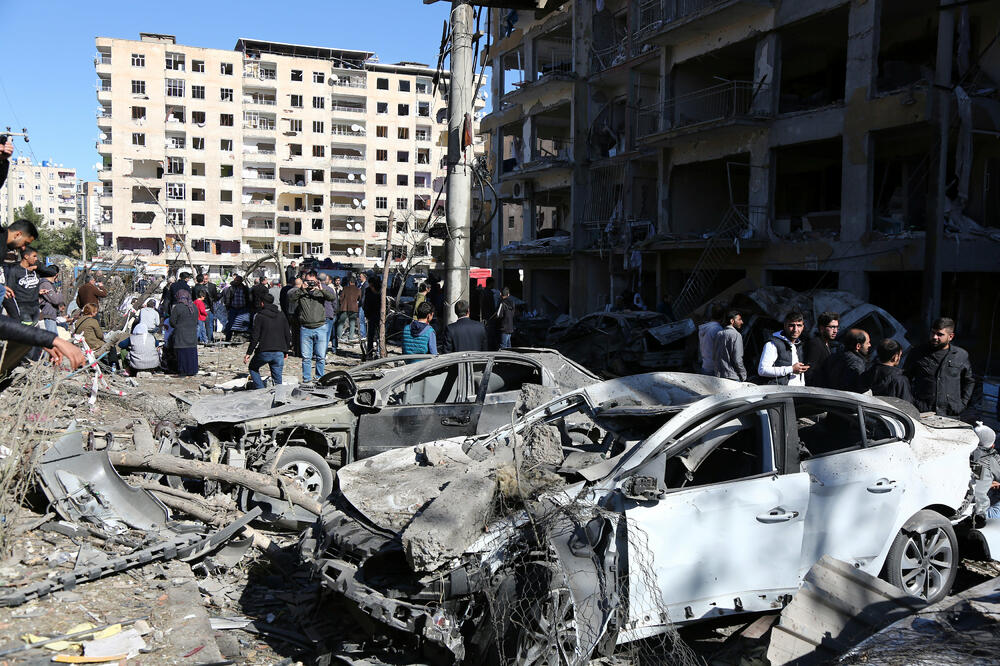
(371, 408)
(614, 512)
(622, 343)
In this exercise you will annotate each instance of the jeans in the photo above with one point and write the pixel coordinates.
(50, 325)
(167, 329)
(275, 360)
(331, 335)
(313, 343)
(362, 324)
(347, 319)
(210, 326)
(231, 317)
(202, 337)
(993, 512)
(505, 340)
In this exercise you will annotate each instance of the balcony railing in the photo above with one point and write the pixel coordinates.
(345, 131)
(350, 158)
(347, 109)
(348, 181)
(260, 100)
(724, 101)
(349, 83)
(260, 127)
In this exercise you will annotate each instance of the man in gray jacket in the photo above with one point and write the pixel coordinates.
(309, 304)
(729, 348)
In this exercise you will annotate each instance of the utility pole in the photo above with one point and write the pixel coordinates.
(459, 206)
(385, 284)
(935, 228)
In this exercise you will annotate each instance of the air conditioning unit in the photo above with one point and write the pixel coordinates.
(521, 191)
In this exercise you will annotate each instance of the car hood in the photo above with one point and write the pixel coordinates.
(246, 405)
(391, 488)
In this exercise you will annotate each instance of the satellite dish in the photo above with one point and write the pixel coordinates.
(356, 203)
(355, 128)
(350, 176)
(350, 220)
(103, 136)
(364, 203)
(334, 77)
(364, 178)
(352, 250)
(358, 227)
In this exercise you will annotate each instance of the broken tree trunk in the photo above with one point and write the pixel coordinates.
(196, 507)
(261, 483)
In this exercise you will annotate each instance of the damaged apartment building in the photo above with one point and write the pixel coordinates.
(674, 147)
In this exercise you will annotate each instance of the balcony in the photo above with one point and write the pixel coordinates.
(731, 103)
(339, 110)
(348, 82)
(339, 158)
(103, 146)
(259, 100)
(104, 174)
(104, 94)
(347, 183)
(102, 63)
(674, 21)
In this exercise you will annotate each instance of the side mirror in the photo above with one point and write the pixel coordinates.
(368, 398)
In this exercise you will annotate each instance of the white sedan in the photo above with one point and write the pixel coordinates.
(669, 499)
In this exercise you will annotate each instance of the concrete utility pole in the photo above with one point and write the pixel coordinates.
(459, 206)
(935, 227)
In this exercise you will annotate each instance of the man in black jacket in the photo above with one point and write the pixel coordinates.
(465, 334)
(940, 372)
(821, 346)
(505, 313)
(843, 370)
(886, 378)
(270, 339)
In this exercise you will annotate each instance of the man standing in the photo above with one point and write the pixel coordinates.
(706, 339)
(371, 308)
(419, 336)
(350, 299)
(257, 292)
(308, 304)
(23, 280)
(291, 272)
(940, 372)
(270, 339)
(465, 334)
(505, 313)
(728, 356)
(362, 288)
(886, 378)
(843, 370)
(237, 300)
(90, 291)
(779, 362)
(331, 308)
(821, 346)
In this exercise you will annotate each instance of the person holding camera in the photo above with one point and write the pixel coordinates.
(309, 303)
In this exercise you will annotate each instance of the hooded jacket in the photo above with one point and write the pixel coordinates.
(419, 338)
(271, 332)
(506, 314)
(142, 351)
(49, 303)
(888, 380)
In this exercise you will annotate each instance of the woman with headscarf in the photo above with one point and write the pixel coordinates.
(88, 326)
(184, 321)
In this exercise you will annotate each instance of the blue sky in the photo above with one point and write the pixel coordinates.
(47, 51)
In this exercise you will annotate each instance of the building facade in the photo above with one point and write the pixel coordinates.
(271, 146)
(49, 187)
(88, 205)
(675, 147)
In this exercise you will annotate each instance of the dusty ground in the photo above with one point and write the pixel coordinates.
(175, 601)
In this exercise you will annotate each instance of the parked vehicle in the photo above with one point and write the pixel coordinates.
(307, 431)
(672, 498)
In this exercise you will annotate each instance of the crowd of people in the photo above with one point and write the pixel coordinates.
(936, 377)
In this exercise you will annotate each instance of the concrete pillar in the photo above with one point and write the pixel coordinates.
(767, 73)
(862, 60)
(760, 197)
(855, 282)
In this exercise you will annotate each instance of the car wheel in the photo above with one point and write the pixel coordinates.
(923, 558)
(308, 471)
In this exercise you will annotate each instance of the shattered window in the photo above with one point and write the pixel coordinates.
(738, 448)
(506, 376)
(826, 427)
(435, 387)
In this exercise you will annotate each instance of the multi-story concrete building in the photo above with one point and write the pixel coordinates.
(675, 147)
(49, 187)
(88, 204)
(269, 146)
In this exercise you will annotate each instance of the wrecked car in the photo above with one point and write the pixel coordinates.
(615, 512)
(307, 430)
(622, 343)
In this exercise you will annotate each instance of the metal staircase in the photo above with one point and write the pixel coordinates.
(734, 224)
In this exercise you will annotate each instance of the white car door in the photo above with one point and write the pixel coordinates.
(727, 546)
(858, 473)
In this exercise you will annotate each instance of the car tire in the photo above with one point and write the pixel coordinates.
(923, 559)
(308, 471)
